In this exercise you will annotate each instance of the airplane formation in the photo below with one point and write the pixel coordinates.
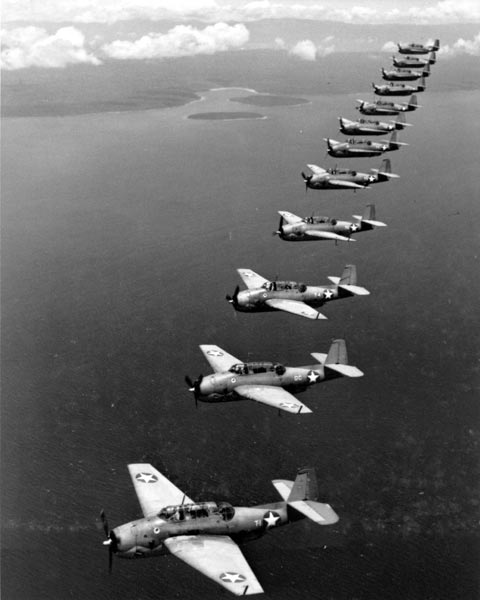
(206, 535)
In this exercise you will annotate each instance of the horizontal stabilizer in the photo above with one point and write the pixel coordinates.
(335, 280)
(329, 235)
(320, 513)
(345, 370)
(354, 289)
(283, 487)
(389, 175)
(319, 357)
(373, 223)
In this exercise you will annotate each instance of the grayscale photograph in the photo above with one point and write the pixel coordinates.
(161, 338)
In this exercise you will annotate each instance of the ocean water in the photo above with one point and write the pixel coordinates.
(121, 236)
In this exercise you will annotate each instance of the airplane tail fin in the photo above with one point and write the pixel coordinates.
(347, 285)
(436, 45)
(426, 70)
(303, 499)
(368, 218)
(412, 103)
(422, 85)
(394, 144)
(400, 122)
(432, 59)
(385, 171)
(337, 361)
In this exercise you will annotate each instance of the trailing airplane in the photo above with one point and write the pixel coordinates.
(340, 179)
(418, 48)
(316, 228)
(398, 89)
(354, 147)
(267, 382)
(205, 535)
(413, 62)
(387, 107)
(366, 127)
(264, 295)
(405, 74)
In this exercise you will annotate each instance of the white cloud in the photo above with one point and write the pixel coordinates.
(182, 40)
(307, 50)
(462, 46)
(390, 47)
(33, 47)
(348, 11)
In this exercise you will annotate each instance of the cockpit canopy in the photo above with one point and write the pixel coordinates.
(317, 219)
(186, 512)
(257, 367)
(274, 286)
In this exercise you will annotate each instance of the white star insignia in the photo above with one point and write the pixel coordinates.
(328, 294)
(146, 477)
(271, 519)
(214, 353)
(312, 377)
(232, 577)
(289, 404)
(248, 274)
(354, 227)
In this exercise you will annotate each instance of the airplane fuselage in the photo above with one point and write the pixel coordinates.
(397, 90)
(297, 232)
(412, 63)
(415, 49)
(384, 108)
(401, 75)
(315, 296)
(220, 387)
(365, 127)
(146, 537)
(357, 148)
(323, 182)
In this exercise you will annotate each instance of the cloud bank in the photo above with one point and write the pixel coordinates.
(461, 46)
(307, 50)
(183, 40)
(348, 11)
(33, 47)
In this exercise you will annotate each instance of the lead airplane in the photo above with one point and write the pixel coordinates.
(387, 107)
(264, 295)
(405, 74)
(398, 89)
(343, 179)
(204, 535)
(413, 48)
(267, 382)
(369, 127)
(354, 147)
(317, 228)
(413, 62)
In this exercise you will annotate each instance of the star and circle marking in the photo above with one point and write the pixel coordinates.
(214, 353)
(354, 227)
(288, 405)
(231, 577)
(146, 477)
(327, 294)
(312, 376)
(270, 519)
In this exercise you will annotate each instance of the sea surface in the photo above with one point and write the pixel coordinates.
(122, 232)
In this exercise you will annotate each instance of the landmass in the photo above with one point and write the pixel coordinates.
(225, 116)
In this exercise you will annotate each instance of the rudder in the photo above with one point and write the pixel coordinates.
(349, 275)
(304, 486)
(337, 354)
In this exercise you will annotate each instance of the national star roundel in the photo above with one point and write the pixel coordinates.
(146, 477)
(231, 577)
(270, 519)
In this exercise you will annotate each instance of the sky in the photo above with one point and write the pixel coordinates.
(57, 33)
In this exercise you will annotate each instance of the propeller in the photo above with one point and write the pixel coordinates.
(233, 299)
(306, 179)
(279, 231)
(110, 541)
(194, 386)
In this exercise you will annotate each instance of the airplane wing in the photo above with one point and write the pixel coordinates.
(272, 396)
(295, 307)
(219, 558)
(290, 217)
(219, 360)
(316, 169)
(251, 279)
(344, 183)
(154, 490)
(329, 235)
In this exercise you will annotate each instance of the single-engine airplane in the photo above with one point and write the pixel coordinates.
(340, 179)
(418, 48)
(368, 127)
(204, 535)
(354, 147)
(267, 382)
(387, 107)
(405, 74)
(263, 295)
(316, 228)
(413, 62)
(398, 89)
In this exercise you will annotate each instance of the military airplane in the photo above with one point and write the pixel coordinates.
(205, 535)
(387, 107)
(354, 147)
(366, 127)
(267, 382)
(405, 74)
(409, 62)
(398, 89)
(315, 228)
(340, 179)
(418, 48)
(264, 295)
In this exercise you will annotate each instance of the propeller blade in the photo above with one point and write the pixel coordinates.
(189, 382)
(105, 524)
(110, 559)
(280, 227)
